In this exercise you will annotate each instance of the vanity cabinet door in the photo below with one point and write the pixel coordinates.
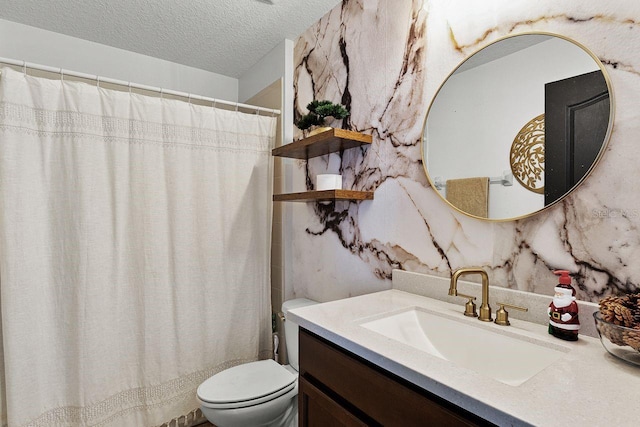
(316, 409)
(335, 382)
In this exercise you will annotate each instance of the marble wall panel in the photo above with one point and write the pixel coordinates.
(384, 60)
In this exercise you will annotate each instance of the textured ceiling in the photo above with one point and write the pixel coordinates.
(222, 36)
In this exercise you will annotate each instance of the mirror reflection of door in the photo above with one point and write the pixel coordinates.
(576, 121)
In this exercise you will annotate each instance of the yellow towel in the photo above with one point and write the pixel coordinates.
(470, 195)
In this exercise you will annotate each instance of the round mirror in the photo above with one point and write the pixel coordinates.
(517, 126)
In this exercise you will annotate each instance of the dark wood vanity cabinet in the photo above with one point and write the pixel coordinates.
(338, 388)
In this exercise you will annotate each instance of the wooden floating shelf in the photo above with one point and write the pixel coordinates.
(325, 195)
(326, 142)
(320, 144)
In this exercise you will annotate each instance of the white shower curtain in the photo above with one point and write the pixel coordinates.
(134, 251)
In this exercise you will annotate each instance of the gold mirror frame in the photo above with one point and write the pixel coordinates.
(603, 148)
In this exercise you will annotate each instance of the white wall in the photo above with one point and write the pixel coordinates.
(25, 43)
(265, 71)
(276, 65)
(505, 93)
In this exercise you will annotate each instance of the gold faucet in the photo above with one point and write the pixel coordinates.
(485, 309)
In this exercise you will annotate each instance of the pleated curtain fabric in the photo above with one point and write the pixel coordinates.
(134, 251)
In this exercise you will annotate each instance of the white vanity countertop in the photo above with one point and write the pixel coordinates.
(586, 387)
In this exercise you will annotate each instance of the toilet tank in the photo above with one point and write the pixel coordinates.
(291, 329)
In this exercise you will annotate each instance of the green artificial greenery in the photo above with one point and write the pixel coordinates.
(318, 111)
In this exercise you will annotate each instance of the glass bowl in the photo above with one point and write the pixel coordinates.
(622, 342)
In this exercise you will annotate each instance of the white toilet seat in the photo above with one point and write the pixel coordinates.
(247, 403)
(247, 385)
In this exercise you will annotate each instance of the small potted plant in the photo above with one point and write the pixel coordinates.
(318, 111)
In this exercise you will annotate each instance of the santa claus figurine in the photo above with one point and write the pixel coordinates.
(563, 310)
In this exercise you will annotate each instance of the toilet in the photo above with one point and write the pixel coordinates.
(262, 393)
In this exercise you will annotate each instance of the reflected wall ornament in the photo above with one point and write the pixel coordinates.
(527, 155)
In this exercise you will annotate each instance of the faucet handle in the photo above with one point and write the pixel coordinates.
(502, 315)
(470, 306)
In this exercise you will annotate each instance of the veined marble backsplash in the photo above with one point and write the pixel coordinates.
(385, 60)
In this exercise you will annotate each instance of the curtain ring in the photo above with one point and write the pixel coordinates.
(97, 81)
(189, 99)
(215, 101)
(61, 75)
(236, 107)
(273, 113)
(24, 67)
(129, 88)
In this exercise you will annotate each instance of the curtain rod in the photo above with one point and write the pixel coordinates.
(160, 90)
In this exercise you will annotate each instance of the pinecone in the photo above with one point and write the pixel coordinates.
(615, 335)
(623, 315)
(632, 339)
(623, 311)
(635, 309)
(632, 301)
(614, 311)
(606, 308)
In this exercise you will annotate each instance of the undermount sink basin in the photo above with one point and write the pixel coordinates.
(501, 355)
